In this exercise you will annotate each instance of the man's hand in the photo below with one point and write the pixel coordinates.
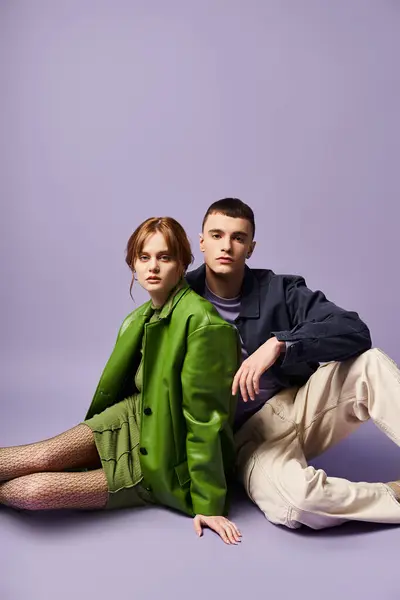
(248, 376)
(226, 530)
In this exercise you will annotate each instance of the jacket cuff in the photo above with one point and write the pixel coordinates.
(294, 351)
(210, 509)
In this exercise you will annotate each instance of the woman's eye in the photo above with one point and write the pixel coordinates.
(143, 257)
(165, 258)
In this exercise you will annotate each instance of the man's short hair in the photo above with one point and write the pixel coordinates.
(231, 207)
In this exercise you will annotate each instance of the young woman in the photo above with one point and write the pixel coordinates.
(158, 429)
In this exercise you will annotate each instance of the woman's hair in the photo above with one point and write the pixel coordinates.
(175, 237)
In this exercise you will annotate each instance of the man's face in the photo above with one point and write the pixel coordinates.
(226, 243)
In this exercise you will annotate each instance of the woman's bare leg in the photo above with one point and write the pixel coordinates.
(49, 491)
(73, 448)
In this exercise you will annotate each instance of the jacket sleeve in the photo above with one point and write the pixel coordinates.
(211, 361)
(321, 331)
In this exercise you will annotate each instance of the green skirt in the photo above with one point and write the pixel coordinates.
(117, 437)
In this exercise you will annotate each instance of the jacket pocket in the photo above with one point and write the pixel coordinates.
(182, 472)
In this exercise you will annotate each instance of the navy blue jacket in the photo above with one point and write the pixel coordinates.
(283, 306)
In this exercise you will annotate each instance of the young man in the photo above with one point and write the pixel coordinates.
(291, 408)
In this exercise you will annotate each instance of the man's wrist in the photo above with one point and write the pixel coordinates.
(281, 346)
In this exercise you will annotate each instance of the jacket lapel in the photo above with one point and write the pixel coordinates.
(118, 375)
(120, 366)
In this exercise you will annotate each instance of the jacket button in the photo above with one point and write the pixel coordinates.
(147, 411)
(143, 451)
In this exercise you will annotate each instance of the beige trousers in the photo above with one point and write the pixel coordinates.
(298, 424)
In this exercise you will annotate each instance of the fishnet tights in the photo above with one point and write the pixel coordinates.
(45, 491)
(32, 479)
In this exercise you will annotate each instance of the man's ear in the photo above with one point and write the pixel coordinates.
(201, 240)
(251, 249)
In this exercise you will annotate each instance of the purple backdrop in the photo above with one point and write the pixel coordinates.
(113, 111)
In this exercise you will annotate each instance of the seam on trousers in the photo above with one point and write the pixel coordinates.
(384, 358)
(391, 494)
(323, 412)
(285, 419)
(252, 458)
(387, 430)
(301, 511)
(289, 519)
(285, 501)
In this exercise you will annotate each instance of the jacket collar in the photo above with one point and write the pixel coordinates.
(250, 290)
(179, 291)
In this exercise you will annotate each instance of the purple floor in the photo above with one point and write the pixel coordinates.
(153, 553)
(112, 111)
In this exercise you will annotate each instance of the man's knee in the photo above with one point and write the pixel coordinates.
(375, 363)
(373, 356)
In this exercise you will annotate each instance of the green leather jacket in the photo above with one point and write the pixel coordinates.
(190, 356)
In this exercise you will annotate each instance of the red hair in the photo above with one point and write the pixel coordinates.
(175, 237)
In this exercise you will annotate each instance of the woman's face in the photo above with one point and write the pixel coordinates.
(157, 271)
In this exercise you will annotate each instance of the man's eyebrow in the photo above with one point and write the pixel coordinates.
(243, 233)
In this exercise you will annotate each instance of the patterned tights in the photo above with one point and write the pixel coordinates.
(32, 477)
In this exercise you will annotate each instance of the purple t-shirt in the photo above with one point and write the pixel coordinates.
(229, 309)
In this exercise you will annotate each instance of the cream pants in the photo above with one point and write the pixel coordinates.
(298, 424)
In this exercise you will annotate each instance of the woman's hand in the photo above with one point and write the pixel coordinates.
(227, 530)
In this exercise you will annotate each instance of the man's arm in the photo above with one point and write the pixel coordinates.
(321, 331)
